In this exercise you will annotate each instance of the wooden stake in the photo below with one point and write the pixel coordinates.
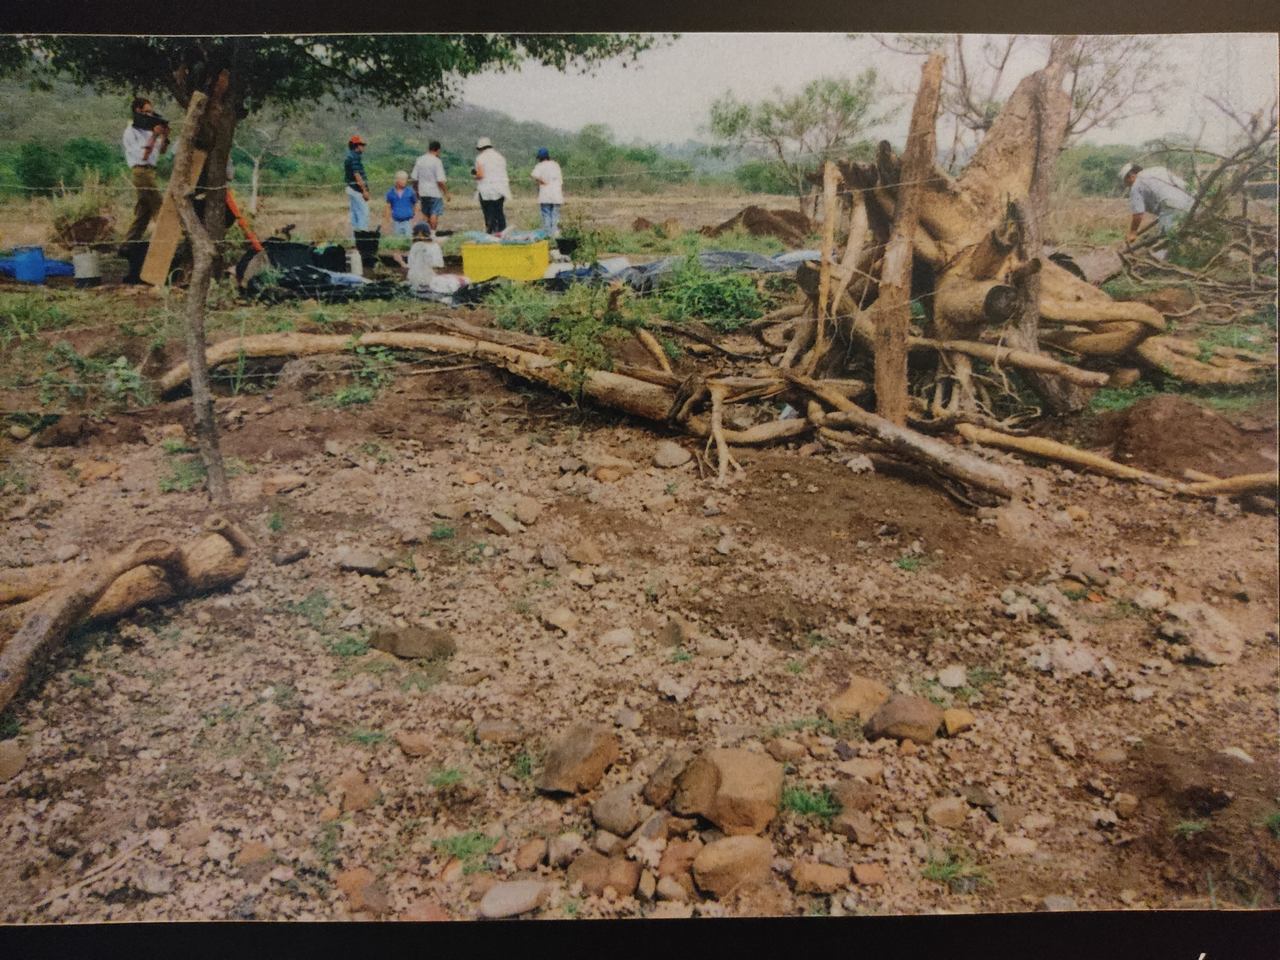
(830, 177)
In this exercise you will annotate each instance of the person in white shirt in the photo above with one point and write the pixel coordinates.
(145, 140)
(429, 180)
(1155, 191)
(490, 172)
(546, 173)
(425, 257)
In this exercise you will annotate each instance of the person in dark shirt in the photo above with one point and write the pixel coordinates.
(357, 184)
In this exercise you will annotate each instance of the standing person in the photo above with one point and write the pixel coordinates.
(429, 180)
(1156, 191)
(492, 185)
(145, 140)
(402, 204)
(546, 173)
(357, 183)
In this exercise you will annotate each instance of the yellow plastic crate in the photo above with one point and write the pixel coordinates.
(518, 261)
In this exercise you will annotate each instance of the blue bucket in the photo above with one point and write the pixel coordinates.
(28, 264)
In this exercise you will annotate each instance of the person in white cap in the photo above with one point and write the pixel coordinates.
(1156, 191)
(490, 172)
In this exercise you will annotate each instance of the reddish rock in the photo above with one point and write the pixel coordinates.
(531, 853)
(425, 911)
(733, 864)
(861, 698)
(578, 760)
(737, 790)
(869, 874)
(810, 877)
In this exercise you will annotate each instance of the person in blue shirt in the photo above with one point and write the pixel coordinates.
(357, 183)
(402, 204)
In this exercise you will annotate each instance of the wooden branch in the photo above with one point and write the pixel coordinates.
(1061, 453)
(893, 308)
(830, 177)
(1013, 358)
(1267, 483)
(651, 344)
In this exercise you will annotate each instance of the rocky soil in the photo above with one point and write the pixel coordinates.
(491, 660)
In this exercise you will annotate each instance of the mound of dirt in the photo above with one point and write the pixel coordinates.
(789, 226)
(85, 230)
(1168, 434)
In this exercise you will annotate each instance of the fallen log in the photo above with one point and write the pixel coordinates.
(938, 456)
(111, 587)
(1180, 358)
(1061, 453)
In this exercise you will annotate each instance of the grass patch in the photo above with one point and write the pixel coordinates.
(471, 848)
(957, 871)
(723, 300)
(447, 777)
(10, 726)
(442, 531)
(347, 645)
(1272, 821)
(810, 803)
(849, 730)
(522, 768)
(275, 522)
(909, 563)
(681, 655)
(1189, 828)
(313, 608)
(14, 480)
(796, 667)
(326, 843)
(366, 738)
(185, 474)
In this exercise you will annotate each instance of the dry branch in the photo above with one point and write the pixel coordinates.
(1061, 453)
(1267, 483)
(1013, 358)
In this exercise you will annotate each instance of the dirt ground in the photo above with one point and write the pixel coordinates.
(194, 761)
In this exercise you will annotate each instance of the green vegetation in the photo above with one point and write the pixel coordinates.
(185, 474)
(326, 843)
(909, 563)
(796, 667)
(23, 315)
(1272, 821)
(469, 847)
(275, 522)
(522, 768)
(15, 480)
(723, 300)
(681, 655)
(810, 803)
(447, 777)
(849, 730)
(347, 646)
(442, 531)
(10, 725)
(1189, 828)
(313, 608)
(72, 376)
(367, 738)
(957, 870)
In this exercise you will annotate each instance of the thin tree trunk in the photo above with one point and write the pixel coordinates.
(253, 190)
(197, 292)
(1050, 114)
(893, 308)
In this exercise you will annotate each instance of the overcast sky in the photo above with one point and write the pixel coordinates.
(665, 96)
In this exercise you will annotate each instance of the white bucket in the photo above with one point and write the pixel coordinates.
(357, 266)
(86, 269)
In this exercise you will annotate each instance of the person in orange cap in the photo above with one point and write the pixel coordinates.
(357, 183)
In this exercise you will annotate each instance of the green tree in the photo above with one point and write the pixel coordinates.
(38, 167)
(800, 131)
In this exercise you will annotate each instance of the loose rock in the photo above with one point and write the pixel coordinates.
(513, 897)
(733, 864)
(578, 760)
(861, 698)
(906, 718)
(669, 455)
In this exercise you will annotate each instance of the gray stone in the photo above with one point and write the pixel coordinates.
(1057, 903)
(509, 898)
(952, 677)
(669, 454)
(362, 560)
(1211, 637)
(618, 809)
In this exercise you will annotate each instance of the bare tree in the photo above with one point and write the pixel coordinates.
(261, 139)
(1108, 78)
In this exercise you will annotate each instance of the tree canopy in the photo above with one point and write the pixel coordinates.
(798, 132)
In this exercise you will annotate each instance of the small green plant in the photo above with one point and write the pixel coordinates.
(442, 531)
(681, 655)
(471, 848)
(522, 768)
(1189, 828)
(957, 870)
(172, 445)
(723, 300)
(1272, 821)
(313, 608)
(81, 680)
(366, 738)
(446, 777)
(13, 479)
(670, 488)
(347, 646)
(326, 842)
(814, 639)
(796, 667)
(810, 803)
(909, 563)
(185, 474)
(571, 907)
(275, 522)
(1121, 398)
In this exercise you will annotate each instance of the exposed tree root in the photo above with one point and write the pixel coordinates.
(1225, 367)
(1061, 453)
(147, 571)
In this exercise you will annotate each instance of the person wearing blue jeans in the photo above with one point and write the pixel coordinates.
(546, 173)
(357, 183)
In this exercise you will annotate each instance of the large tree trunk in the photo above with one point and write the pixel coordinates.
(1051, 113)
(202, 249)
(893, 308)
